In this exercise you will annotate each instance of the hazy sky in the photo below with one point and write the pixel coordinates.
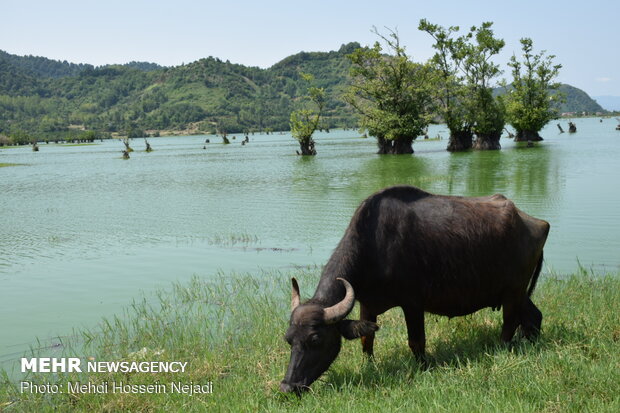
(584, 35)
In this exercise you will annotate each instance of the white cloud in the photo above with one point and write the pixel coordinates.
(603, 79)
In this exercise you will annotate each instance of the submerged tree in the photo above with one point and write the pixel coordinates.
(127, 147)
(304, 122)
(487, 111)
(529, 101)
(449, 91)
(391, 93)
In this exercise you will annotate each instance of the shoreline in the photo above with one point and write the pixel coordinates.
(229, 332)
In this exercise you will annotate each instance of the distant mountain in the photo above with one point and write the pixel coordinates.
(50, 98)
(578, 101)
(608, 102)
(575, 100)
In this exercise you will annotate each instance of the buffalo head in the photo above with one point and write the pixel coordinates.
(314, 334)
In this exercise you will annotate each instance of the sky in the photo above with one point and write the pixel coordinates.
(583, 35)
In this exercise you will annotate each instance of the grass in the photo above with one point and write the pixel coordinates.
(233, 239)
(230, 332)
(4, 164)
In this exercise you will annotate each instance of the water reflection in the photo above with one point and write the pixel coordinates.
(96, 230)
(382, 171)
(518, 173)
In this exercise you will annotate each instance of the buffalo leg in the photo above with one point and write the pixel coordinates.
(512, 313)
(367, 340)
(531, 319)
(415, 331)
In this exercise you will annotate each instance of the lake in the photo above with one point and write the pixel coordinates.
(83, 232)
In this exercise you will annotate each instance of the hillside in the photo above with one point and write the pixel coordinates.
(47, 98)
(576, 100)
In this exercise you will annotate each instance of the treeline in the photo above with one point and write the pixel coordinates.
(207, 96)
(44, 99)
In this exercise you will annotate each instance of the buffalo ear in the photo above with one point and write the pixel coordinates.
(351, 329)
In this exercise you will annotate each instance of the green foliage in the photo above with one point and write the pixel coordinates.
(391, 92)
(449, 90)
(529, 103)
(19, 137)
(479, 73)
(205, 93)
(304, 122)
(48, 98)
(573, 99)
(44, 67)
(135, 132)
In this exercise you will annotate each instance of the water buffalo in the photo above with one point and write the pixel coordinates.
(407, 248)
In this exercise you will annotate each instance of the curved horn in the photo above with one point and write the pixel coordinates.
(340, 310)
(294, 294)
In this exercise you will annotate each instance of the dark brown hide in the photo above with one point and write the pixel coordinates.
(444, 255)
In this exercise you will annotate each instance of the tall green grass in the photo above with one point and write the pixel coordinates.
(230, 332)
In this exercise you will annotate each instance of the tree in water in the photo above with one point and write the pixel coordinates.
(391, 93)
(530, 101)
(449, 91)
(487, 111)
(127, 147)
(304, 122)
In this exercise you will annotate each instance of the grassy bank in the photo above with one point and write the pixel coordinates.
(230, 333)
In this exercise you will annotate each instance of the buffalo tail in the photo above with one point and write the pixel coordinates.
(534, 279)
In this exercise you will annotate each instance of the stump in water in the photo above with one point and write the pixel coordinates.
(560, 128)
(127, 147)
(572, 128)
(148, 146)
(35, 147)
(125, 154)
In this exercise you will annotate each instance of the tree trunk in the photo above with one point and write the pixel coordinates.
(460, 141)
(307, 147)
(395, 146)
(485, 142)
(527, 135)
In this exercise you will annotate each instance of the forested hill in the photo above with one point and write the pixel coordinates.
(43, 97)
(578, 101)
(44, 67)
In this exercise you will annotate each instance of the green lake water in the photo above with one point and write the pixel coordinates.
(83, 232)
